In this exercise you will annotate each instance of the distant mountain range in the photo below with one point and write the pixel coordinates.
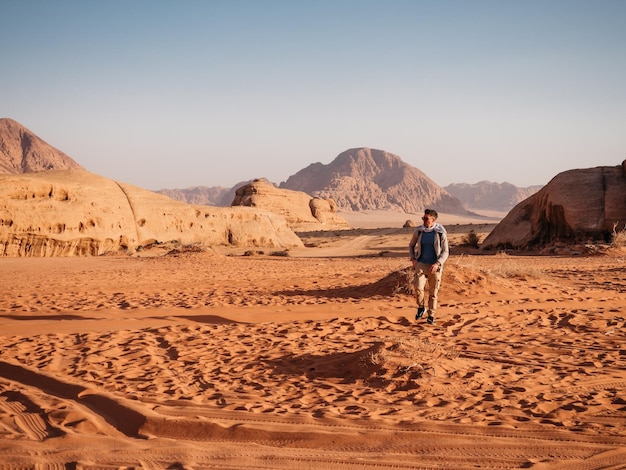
(369, 179)
(486, 195)
(358, 179)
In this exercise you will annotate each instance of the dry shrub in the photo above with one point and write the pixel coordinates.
(463, 274)
(280, 253)
(507, 268)
(186, 250)
(511, 268)
(404, 359)
(618, 237)
(398, 282)
(471, 239)
(467, 275)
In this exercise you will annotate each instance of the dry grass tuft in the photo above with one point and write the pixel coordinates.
(463, 274)
(618, 238)
(508, 268)
(403, 360)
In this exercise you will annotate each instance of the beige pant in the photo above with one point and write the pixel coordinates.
(422, 275)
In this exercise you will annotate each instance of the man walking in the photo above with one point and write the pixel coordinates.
(429, 251)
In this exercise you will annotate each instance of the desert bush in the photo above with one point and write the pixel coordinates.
(471, 239)
(253, 253)
(405, 355)
(618, 237)
(280, 253)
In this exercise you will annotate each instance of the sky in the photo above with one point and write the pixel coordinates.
(176, 94)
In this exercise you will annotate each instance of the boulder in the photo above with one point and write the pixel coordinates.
(575, 206)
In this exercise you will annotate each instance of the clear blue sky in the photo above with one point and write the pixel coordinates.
(173, 94)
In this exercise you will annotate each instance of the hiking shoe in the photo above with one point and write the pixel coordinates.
(430, 320)
(420, 313)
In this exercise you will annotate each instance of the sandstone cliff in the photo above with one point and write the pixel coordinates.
(21, 151)
(67, 213)
(301, 211)
(575, 206)
(369, 179)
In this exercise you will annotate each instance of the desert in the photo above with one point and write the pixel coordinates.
(218, 218)
(143, 332)
(311, 358)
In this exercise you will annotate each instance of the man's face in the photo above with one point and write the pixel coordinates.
(429, 220)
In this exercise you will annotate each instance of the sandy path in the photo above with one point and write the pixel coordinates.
(207, 361)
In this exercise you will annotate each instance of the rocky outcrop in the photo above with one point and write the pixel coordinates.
(21, 151)
(575, 206)
(301, 211)
(486, 195)
(369, 179)
(69, 213)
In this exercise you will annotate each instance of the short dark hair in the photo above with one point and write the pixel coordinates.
(432, 212)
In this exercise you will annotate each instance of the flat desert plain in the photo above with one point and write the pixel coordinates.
(312, 358)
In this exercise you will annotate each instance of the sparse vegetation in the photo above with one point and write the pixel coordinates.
(402, 358)
(280, 253)
(186, 249)
(471, 239)
(618, 237)
(509, 268)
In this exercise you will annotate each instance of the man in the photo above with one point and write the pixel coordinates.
(429, 251)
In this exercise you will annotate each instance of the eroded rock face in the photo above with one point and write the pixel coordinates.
(301, 211)
(69, 213)
(370, 179)
(21, 151)
(575, 206)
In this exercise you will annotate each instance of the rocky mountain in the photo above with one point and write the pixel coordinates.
(301, 211)
(576, 206)
(21, 151)
(369, 179)
(486, 195)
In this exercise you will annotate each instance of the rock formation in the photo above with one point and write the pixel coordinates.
(575, 206)
(21, 151)
(486, 195)
(68, 213)
(369, 179)
(301, 211)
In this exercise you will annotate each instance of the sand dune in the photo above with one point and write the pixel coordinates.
(202, 360)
